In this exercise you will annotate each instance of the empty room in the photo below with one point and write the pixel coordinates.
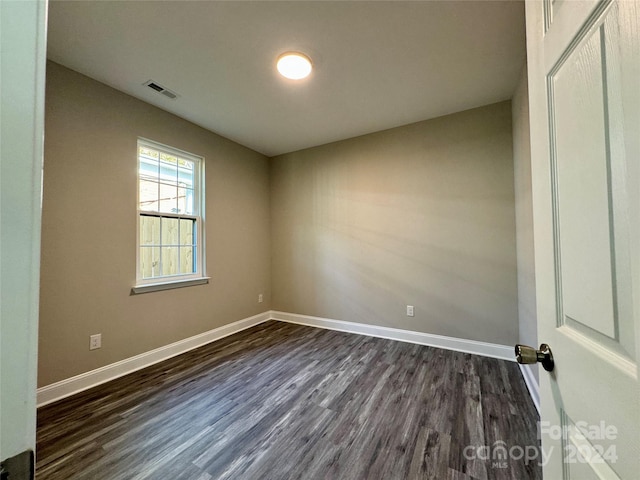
(320, 240)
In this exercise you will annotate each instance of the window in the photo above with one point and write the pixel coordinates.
(170, 217)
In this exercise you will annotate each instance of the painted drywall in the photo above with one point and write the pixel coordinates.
(23, 49)
(89, 230)
(419, 215)
(527, 319)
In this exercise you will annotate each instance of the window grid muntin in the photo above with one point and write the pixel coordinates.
(161, 179)
(161, 245)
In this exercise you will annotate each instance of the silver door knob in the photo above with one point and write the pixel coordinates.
(525, 355)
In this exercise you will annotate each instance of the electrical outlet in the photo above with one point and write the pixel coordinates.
(409, 310)
(95, 341)
(260, 298)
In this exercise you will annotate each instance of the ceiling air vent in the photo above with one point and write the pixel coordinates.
(160, 89)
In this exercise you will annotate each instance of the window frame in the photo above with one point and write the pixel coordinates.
(178, 280)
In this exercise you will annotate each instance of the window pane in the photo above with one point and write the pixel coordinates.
(168, 199)
(169, 231)
(169, 260)
(187, 257)
(149, 262)
(148, 195)
(185, 202)
(185, 164)
(168, 168)
(147, 152)
(148, 168)
(181, 199)
(149, 230)
(186, 232)
(185, 173)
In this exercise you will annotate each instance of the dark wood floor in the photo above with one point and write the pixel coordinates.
(283, 401)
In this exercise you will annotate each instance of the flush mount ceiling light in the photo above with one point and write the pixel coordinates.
(294, 65)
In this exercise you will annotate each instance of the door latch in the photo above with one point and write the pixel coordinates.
(527, 355)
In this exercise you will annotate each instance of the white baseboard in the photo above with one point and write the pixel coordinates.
(532, 384)
(65, 388)
(485, 349)
(70, 386)
(449, 343)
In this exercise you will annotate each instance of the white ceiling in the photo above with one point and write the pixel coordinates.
(378, 65)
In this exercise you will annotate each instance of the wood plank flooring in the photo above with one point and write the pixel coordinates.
(282, 401)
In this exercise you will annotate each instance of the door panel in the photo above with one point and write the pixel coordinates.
(584, 106)
(581, 116)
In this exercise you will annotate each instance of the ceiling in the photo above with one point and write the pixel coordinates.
(377, 65)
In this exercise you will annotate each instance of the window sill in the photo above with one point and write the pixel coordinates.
(156, 287)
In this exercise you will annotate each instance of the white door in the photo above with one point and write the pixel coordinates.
(584, 84)
(23, 34)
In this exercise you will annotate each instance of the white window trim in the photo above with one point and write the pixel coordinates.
(145, 285)
(156, 287)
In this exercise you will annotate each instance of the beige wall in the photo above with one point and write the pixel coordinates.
(420, 215)
(524, 216)
(89, 230)
(356, 230)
